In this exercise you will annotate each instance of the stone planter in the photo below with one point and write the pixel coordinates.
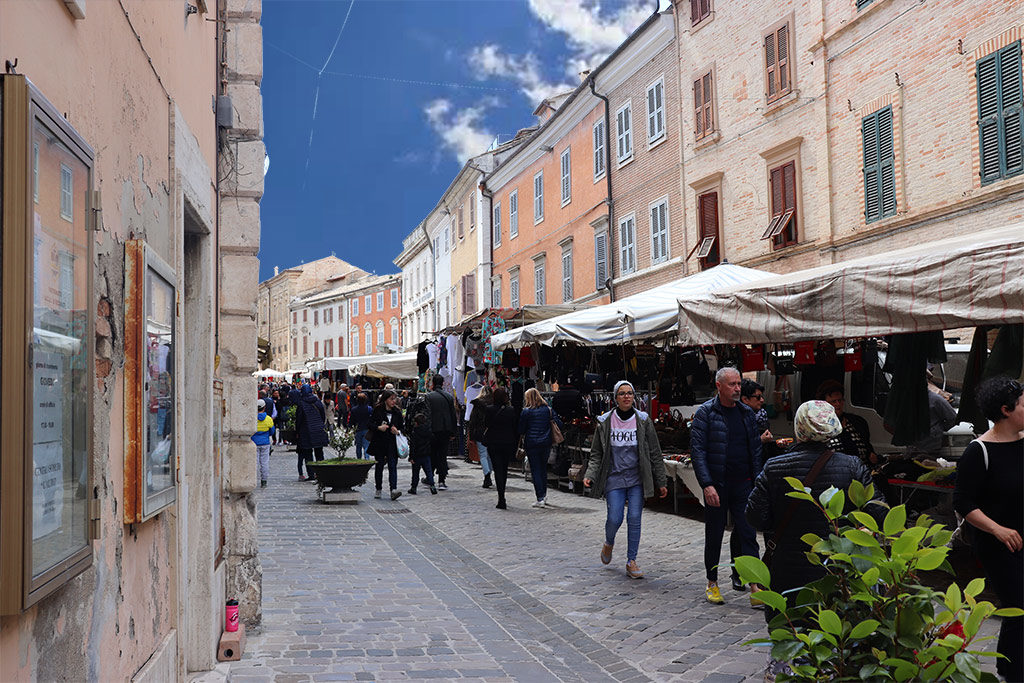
(340, 478)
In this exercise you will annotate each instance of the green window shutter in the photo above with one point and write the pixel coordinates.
(869, 135)
(1012, 109)
(987, 76)
(879, 165)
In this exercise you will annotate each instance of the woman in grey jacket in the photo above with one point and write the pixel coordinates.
(626, 467)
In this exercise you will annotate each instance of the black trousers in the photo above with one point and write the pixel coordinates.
(308, 455)
(439, 454)
(1005, 573)
(501, 455)
(732, 499)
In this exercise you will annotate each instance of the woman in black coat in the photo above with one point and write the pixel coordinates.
(501, 437)
(385, 425)
(310, 428)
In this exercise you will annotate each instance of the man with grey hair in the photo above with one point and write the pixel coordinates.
(725, 447)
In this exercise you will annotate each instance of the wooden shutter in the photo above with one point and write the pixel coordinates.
(600, 259)
(771, 66)
(469, 291)
(1010, 87)
(872, 199)
(782, 54)
(886, 163)
(988, 116)
(698, 107)
(709, 114)
(776, 57)
(708, 216)
(788, 235)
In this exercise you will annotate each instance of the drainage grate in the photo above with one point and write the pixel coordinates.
(394, 511)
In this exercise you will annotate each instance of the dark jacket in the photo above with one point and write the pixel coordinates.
(501, 424)
(359, 417)
(420, 439)
(652, 465)
(442, 412)
(535, 426)
(768, 503)
(568, 403)
(709, 439)
(382, 444)
(310, 423)
(476, 425)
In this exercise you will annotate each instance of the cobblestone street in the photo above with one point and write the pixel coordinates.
(447, 587)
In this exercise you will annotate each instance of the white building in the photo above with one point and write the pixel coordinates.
(417, 266)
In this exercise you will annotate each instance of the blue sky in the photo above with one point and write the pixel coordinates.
(411, 88)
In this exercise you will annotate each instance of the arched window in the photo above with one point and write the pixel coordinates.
(368, 334)
(380, 332)
(355, 341)
(394, 332)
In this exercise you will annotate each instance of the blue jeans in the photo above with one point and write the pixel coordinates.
(732, 499)
(485, 460)
(361, 443)
(617, 501)
(538, 457)
(428, 473)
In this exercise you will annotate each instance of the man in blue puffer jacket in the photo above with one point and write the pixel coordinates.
(725, 447)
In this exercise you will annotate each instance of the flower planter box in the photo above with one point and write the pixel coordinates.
(340, 477)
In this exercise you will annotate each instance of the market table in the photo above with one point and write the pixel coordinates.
(907, 488)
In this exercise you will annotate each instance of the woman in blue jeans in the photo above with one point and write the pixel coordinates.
(360, 420)
(535, 429)
(626, 466)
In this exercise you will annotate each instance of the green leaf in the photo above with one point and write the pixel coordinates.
(795, 483)
(908, 541)
(861, 538)
(774, 600)
(828, 494)
(869, 671)
(753, 570)
(858, 496)
(968, 665)
(895, 520)
(879, 654)
(953, 599)
(800, 495)
(864, 629)
(1009, 612)
(836, 504)
(829, 621)
(931, 559)
(865, 520)
(782, 634)
(787, 650)
(870, 577)
(975, 587)
(941, 538)
(811, 539)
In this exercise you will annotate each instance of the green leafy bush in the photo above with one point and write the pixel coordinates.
(869, 617)
(342, 439)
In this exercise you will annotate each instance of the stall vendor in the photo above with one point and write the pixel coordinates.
(855, 438)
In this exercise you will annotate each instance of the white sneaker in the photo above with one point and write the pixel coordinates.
(538, 504)
(377, 494)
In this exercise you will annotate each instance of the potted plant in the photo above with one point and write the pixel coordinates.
(340, 474)
(869, 617)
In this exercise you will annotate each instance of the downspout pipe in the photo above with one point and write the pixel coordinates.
(484, 192)
(609, 283)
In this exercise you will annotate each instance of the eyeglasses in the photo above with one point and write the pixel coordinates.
(759, 397)
(625, 393)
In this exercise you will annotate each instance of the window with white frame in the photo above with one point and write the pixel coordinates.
(538, 197)
(566, 177)
(539, 283)
(567, 294)
(513, 289)
(394, 298)
(355, 342)
(447, 239)
(67, 201)
(513, 213)
(627, 244)
(437, 248)
(380, 333)
(368, 304)
(380, 301)
(355, 307)
(598, 150)
(497, 224)
(659, 231)
(368, 336)
(496, 292)
(394, 331)
(656, 111)
(624, 133)
(316, 317)
(600, 260)
(67, 280)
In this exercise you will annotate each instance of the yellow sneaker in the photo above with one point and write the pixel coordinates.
(714, 595)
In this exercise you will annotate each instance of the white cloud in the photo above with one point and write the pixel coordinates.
(461, 130)
(489, 60)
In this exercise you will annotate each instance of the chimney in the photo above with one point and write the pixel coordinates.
(584, 74)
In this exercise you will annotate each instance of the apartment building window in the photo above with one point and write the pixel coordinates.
(879, 165)
(468, 293)
(708, 254)
(513, 214)
(462, 232)
(380, 333)
(627, 244)
(1000, 113)
(368, 338)
(598, 150)
(341, 312)
(394, 298)
(305, 346)
(66, 283)
(368, 304)
(624, 133)
(704, 106)
(782, 229)
(316, 349)
(305, 315)
(437, 248)
(659, 230)
(447, 240)
(539, 282)
(496, 292)
(600, 260)
(316, 318)
(67, 193)
(566, 177)
(380, 301)
(328, 348)
(656, 111)
(394, 332)
(355, 341)
(538, 197)
(567, 294)
(861, 4)
(699, 11)
(472, 213)
(776, 59)
(341, 345)
(497, 224)
(355, 307)
(295, 347)
(513, 289)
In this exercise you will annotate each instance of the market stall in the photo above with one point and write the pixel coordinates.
(390, 366)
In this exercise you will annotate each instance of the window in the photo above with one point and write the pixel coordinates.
(600, 260)
(469, 293)
(305, 346)
(355, 307)
(538, 282)
(341, 312)
(703, 106)
(513, 289)
(316, 349)
(782, 227)
(380, 333)
(472, 213)
(316, 317)
(776, 58)
(496, 293)
(1000, 113)
(437, 248)
(355, 341)
(305, 315)
(513, 213)
(566, 177)
(368, 304)
(341, 346)
(67, 196)
(538, 197)
(699, 11)
(861, 4)
(707, 214)
(394, 332)
(567, 294)
(598, 150)
(462, 230)
(394, 298)
(659, 231)
(66, 265)
(627, 244)
(35, 171)
(368, 334)
(624, 133)
(497, 224)
(879, 165)
(328, 347)
(295, 346)
(380, 301)
(656, 111)
(447, 240)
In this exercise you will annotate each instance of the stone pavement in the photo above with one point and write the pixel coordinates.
(448, 587)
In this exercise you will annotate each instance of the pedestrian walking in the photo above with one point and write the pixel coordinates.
(535, 428)
(385, 425)
(441, 408)
(420, 438)
(342, 406)
(264, 431)
(359, 418)
(769, 508)
(476, 429)
(725, 448)
(625, 466)
(310, 428)
(330, 415)
(988, 494)
(501, 438)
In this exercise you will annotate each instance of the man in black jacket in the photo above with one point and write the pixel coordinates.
(442, 426)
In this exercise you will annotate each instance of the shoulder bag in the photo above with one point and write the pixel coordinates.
(556, 433)
(773, 542)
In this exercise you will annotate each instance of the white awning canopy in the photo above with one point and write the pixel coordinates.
(393, 365)
(975, 279)
(645, 315)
